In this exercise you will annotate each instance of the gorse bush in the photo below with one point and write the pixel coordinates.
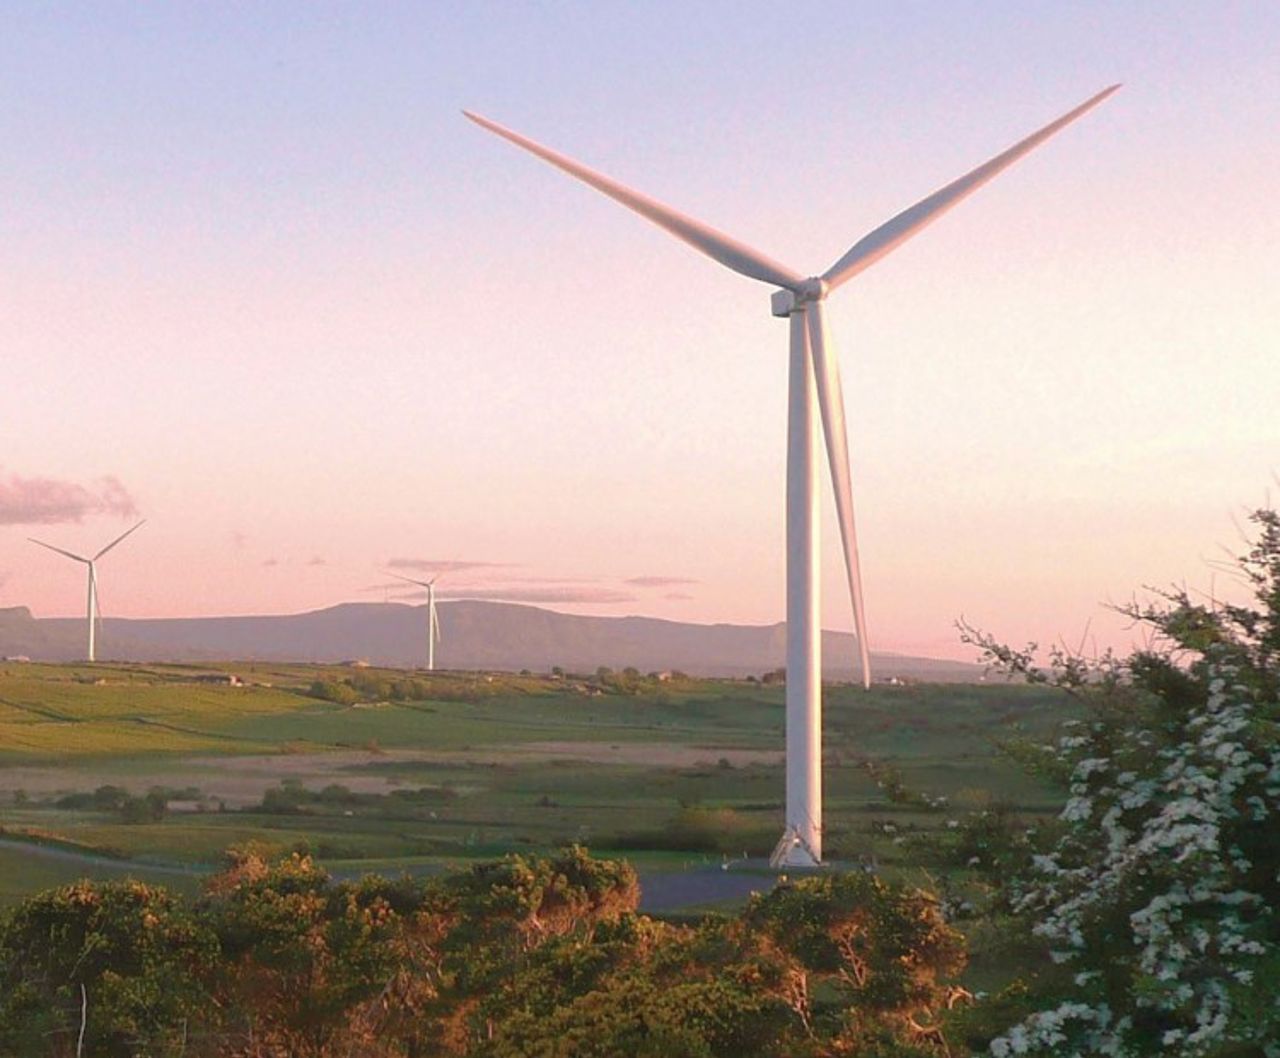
(130, 952)
(524, 956)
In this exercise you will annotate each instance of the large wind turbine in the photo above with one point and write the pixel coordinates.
(814, 379)
(94, 610)
(433, 622)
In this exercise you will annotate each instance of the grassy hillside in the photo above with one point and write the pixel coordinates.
(411, 770)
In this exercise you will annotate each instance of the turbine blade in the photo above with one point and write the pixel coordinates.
(118, 539)
(826, 372)
(408, 580)
(890, 235)
(97, 597)
(78, 558)
(715, 244)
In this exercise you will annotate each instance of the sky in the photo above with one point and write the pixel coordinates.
(261, 284)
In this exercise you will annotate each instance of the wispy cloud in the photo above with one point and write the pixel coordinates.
(678, 596)
(529, 595)
(317, 560)
(271, 562)
(238, 539)
(552, 580)
(443, 565)
(658, 582)
(48, 501)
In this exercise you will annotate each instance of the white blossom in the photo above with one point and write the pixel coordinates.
(1155, 846)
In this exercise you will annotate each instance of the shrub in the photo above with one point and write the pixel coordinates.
(694, 828)
(1158, 896)
(334, 691)
(125, 950)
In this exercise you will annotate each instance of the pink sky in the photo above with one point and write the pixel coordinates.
(311, 321)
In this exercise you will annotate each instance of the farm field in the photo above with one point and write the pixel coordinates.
(151, 770)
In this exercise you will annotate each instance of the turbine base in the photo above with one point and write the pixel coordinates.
(793, 851)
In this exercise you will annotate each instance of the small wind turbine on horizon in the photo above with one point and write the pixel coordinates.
(433, 621)
(813, 384)
(94, 614)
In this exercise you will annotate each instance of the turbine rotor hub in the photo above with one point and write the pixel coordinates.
(785, 302)
(812, 289)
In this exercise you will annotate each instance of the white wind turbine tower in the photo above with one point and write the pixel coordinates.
(813, 380)
(94, 610)
(433, 621)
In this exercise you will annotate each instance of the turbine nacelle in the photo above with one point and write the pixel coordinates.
(784, 302)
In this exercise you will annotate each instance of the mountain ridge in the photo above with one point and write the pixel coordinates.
(474, 635)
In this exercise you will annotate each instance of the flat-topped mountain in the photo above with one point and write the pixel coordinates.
(474, 635)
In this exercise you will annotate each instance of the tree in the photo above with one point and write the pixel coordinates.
(1158, 893)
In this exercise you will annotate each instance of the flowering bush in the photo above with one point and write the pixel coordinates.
(1158, 893)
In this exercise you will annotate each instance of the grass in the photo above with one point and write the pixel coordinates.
(513, 763)
(23, 872)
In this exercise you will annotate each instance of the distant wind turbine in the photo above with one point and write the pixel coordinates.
(94, 614)
(814, 378)
(433, 621)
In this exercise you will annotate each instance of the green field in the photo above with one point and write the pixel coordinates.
(448, 767)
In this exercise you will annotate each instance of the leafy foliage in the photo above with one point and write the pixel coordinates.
(297, 951)
(693, 828)
(1157, 894)
(524, 956)
(127, 951)
(131, 809)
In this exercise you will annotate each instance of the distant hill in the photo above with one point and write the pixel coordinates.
(475, 635)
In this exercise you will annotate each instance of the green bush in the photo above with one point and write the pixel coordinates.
(694, 828)
(334, 691)
(127, 954)
(524, 956)
(1156, 895)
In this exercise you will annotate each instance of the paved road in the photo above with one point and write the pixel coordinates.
(95, 861)
(659, 890)
(676, 890)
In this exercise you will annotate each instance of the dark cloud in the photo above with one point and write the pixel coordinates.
(442, 565)
(658, 582)
(48, 501)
